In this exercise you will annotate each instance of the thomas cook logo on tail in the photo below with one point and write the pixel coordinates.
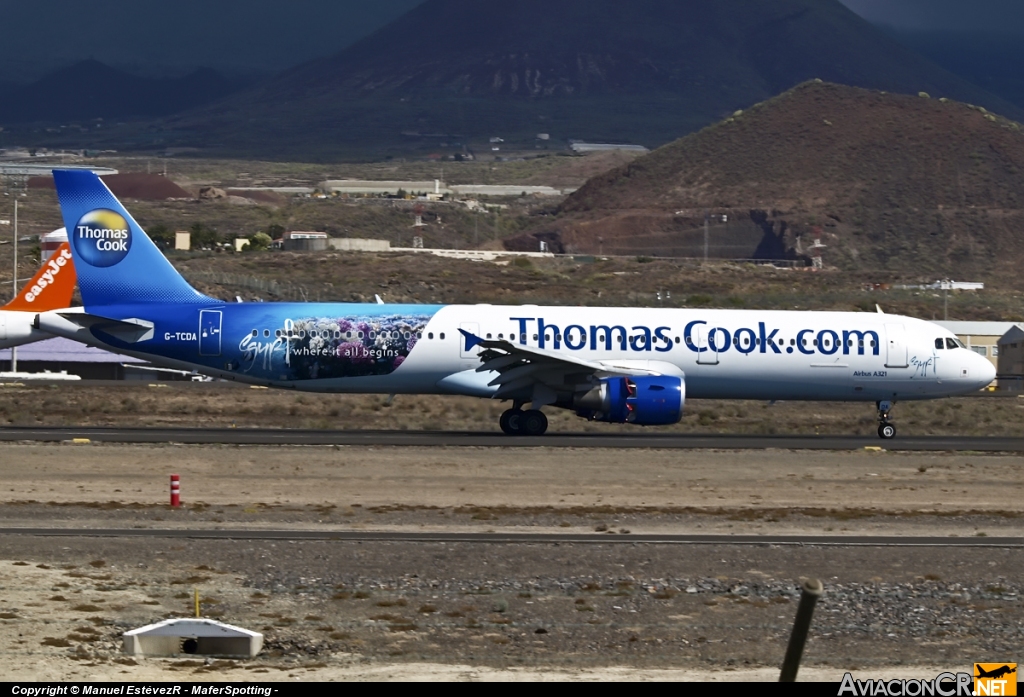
(102, 238)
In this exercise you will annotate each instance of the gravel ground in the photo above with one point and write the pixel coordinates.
(379, 610)
(323, 605)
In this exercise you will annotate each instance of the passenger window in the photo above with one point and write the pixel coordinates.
(442, 336)
(255, 332)
(488, 336)
(939, 344)
(677, 339)
(430, 335)
(522, 338)
(266, 332)
(535, 337)
(950, 343)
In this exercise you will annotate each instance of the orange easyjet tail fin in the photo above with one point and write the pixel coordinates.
(51, 288)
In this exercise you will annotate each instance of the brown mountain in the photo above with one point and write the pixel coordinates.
(647, 71)
(886, 181)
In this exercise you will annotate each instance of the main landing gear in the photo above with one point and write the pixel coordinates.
(516, 422)
(886, 430)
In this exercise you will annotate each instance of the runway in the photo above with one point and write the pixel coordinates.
(522, 538)
(239, 436)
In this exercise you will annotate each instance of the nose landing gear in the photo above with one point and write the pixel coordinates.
(886, 429)
(516, 422)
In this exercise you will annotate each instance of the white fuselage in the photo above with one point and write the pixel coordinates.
(16, 329)
(724, 354)
(721, 354)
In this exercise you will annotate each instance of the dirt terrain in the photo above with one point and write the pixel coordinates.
(607, 610)
(222, 404)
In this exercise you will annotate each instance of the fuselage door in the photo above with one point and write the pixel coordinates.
(710, 356)
(474, 329)
(896, 346)
(209, 332)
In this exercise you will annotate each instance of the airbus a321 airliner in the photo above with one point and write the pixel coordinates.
(616, 365)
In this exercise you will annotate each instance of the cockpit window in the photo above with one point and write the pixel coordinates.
(952, 343)
(940, 344)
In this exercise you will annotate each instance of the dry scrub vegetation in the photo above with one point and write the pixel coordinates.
(202, 405)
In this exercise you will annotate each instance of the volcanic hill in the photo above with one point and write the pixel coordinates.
(886, 181)
(648, 71)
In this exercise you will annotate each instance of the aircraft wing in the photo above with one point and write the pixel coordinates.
(538, 375)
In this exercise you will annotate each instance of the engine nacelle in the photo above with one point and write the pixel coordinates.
(645, 401)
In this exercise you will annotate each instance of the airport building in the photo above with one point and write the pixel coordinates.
(299, 241)
(434, 189)
(1011, 360)
(59, 355)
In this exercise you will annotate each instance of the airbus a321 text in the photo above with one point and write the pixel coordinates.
(618, 365)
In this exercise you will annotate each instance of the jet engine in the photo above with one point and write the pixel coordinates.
(645, 401)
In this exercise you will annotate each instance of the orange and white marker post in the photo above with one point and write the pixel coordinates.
(175, 490)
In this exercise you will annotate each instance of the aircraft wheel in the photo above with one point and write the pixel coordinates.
(533, 423)
(886, 431)
(510, 422)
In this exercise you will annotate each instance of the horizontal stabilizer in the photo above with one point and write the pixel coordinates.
(130, 331)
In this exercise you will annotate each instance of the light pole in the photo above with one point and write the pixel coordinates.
(945, 300)
(706, 217)
(14, 293)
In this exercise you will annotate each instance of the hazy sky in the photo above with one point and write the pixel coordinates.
(268, 35)
(233, 34)
(990, 16)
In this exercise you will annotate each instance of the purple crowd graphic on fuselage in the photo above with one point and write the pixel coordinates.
(318, 348)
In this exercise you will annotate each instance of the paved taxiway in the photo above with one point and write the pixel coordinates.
(233, 436)
(522, 538)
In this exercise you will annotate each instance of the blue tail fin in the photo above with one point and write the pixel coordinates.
(116, 261)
